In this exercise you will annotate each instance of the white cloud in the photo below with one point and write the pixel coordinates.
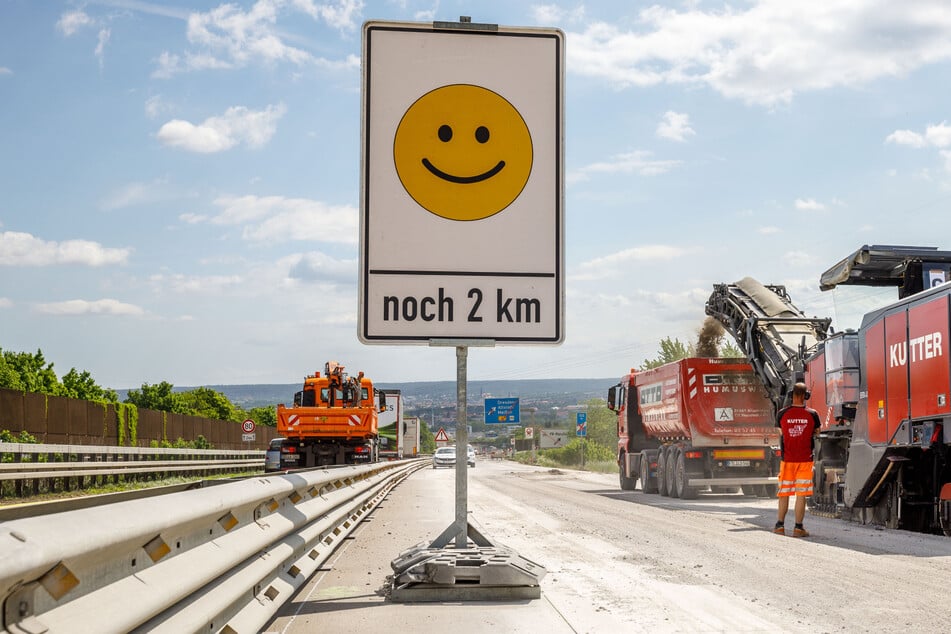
(906, 137)
(72, 21)
(23, 249)
(637, 162)
(809, 204)
(85, 307)
(343, 14)
(5, 303)
(797, 258)
(939, 135)
(321, 268)
(198, 284)
(229, 37)
(217, 134)
(137, 193)
(767, 230)
(768, 51)
(155, 106)
(276, 218)
(675, 126)
(5, 71)
(552, 15)
(100, 51)
(616, 263)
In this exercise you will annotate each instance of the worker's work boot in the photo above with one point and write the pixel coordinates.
(779, 529)
(799, 531)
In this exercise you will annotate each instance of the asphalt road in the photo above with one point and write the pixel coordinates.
(629, 562)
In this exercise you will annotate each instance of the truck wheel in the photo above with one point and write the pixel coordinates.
(662, 472)
(647, 485)
(672, 484)
(749, 490)
(768, 490)
(684, 492)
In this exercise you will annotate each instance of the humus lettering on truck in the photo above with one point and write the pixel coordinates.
(925, 347)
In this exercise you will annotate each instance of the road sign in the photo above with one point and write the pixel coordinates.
(581, 424)
(529, 433)
(248, 437)
(441, 436)
(247, 426)
(462, 184)
(552, 438)
(501, 410)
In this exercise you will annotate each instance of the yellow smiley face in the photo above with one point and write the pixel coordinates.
(463, 152)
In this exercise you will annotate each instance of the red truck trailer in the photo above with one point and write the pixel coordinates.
(695, 423)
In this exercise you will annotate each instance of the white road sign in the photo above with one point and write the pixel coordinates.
(462, 197)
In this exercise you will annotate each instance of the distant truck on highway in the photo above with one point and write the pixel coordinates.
(391, 426)
(410, 436)
(695, 423)
(334, 420)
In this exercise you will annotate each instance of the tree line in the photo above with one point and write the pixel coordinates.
(31, 372)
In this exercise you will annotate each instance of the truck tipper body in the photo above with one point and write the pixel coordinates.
(695, 423)
(334, 420)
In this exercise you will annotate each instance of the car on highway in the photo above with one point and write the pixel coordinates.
(444, 457)
(272, 457)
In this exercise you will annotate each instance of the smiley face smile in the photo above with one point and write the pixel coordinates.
(463, 179)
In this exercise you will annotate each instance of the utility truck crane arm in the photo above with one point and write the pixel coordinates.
(775, 336)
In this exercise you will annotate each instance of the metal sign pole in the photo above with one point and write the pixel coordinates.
(462, 446)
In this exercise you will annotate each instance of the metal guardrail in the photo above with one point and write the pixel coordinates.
(27, 469)
(222, 559)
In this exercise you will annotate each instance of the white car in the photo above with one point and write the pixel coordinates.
(444, 457)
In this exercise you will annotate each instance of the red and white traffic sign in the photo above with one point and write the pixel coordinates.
(247, 426)
(441, 436)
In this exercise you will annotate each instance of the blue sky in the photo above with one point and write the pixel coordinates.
(180, 181)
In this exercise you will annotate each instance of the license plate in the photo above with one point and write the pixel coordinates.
(290, 457)
(737, 463)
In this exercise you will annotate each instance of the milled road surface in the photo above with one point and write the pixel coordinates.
(629, 562)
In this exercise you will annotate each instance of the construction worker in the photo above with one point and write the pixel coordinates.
(800, 425)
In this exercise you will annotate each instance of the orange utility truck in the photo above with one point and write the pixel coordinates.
(334, 420)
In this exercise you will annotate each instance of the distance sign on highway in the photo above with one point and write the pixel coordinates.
(462, 192)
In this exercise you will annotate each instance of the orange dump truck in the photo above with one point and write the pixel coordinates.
(333, 421)
(695, 423)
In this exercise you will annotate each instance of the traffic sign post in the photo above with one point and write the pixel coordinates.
(581, 424)
(248, 428)
(462, 205)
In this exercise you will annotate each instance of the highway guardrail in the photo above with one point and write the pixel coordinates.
(221, 559)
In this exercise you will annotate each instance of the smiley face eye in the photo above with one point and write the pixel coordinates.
(482, 134)
(445, 133)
